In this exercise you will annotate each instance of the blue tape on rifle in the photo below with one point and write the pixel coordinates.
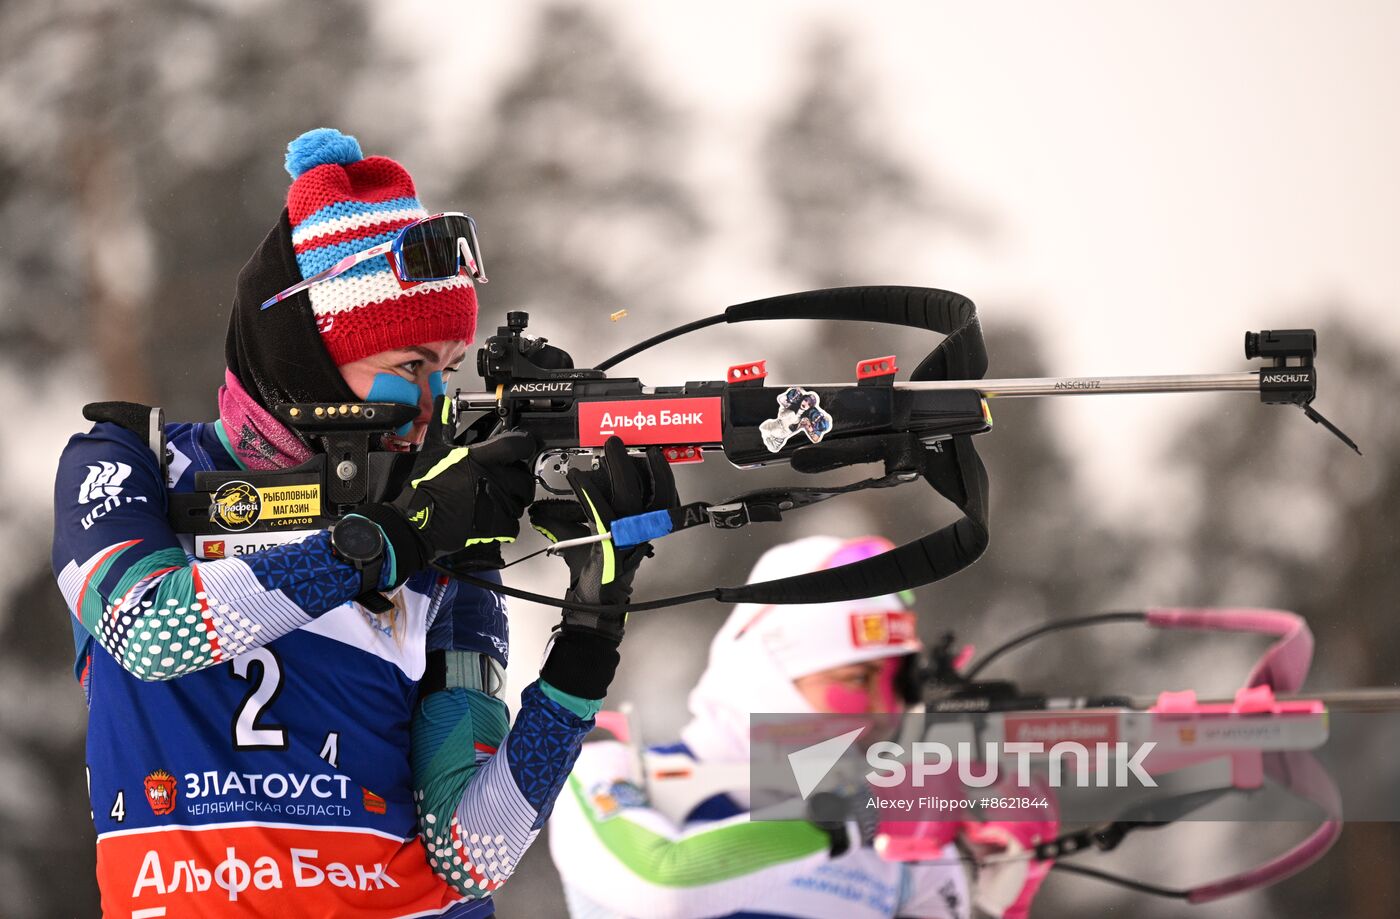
(630, 531)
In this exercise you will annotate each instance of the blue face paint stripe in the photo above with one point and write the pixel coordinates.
(390, 387)
(436, 385)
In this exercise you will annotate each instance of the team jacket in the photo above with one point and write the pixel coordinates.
(256, 743)
(621, 858)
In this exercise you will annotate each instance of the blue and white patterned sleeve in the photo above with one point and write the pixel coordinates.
(484, 788)
(126, 578)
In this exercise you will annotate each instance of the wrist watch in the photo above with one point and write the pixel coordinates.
(359, 541)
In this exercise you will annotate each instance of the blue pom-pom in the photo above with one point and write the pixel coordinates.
(320, 146)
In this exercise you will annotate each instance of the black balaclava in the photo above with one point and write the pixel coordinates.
(276, 353)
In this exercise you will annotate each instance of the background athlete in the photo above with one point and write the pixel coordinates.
(621, 855)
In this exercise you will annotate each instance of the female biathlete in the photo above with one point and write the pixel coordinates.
(622, 854)
(258, 743)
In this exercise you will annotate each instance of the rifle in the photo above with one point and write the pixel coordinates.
(920, 429)
(1253, 758)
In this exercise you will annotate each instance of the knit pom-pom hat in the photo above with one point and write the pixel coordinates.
(342, 202)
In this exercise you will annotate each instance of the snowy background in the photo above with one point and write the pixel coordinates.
(1123, 188)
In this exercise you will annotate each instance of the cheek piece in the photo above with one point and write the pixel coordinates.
(390, 387)
(843, 700)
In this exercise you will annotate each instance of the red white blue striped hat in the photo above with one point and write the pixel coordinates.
(342, 202)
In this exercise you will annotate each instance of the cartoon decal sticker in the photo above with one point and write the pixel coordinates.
(798, 410)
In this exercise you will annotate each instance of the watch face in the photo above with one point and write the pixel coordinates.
(357, 540)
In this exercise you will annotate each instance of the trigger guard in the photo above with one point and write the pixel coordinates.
(551, 471)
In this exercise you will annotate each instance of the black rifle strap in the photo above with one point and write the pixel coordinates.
(962, 355)
(955, 473)
(951, 467)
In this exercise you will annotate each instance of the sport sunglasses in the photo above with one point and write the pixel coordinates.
(434, 248)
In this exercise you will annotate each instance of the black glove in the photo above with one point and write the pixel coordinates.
(601, 573)
(457, 497)
(584, 654)
(831, 812)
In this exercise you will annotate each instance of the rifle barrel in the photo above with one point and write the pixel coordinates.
(1243, 381)
(1017, 388)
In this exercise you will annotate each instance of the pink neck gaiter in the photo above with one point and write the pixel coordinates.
(843, 700)
(260, 441)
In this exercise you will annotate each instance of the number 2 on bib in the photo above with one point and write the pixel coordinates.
(263, 669)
